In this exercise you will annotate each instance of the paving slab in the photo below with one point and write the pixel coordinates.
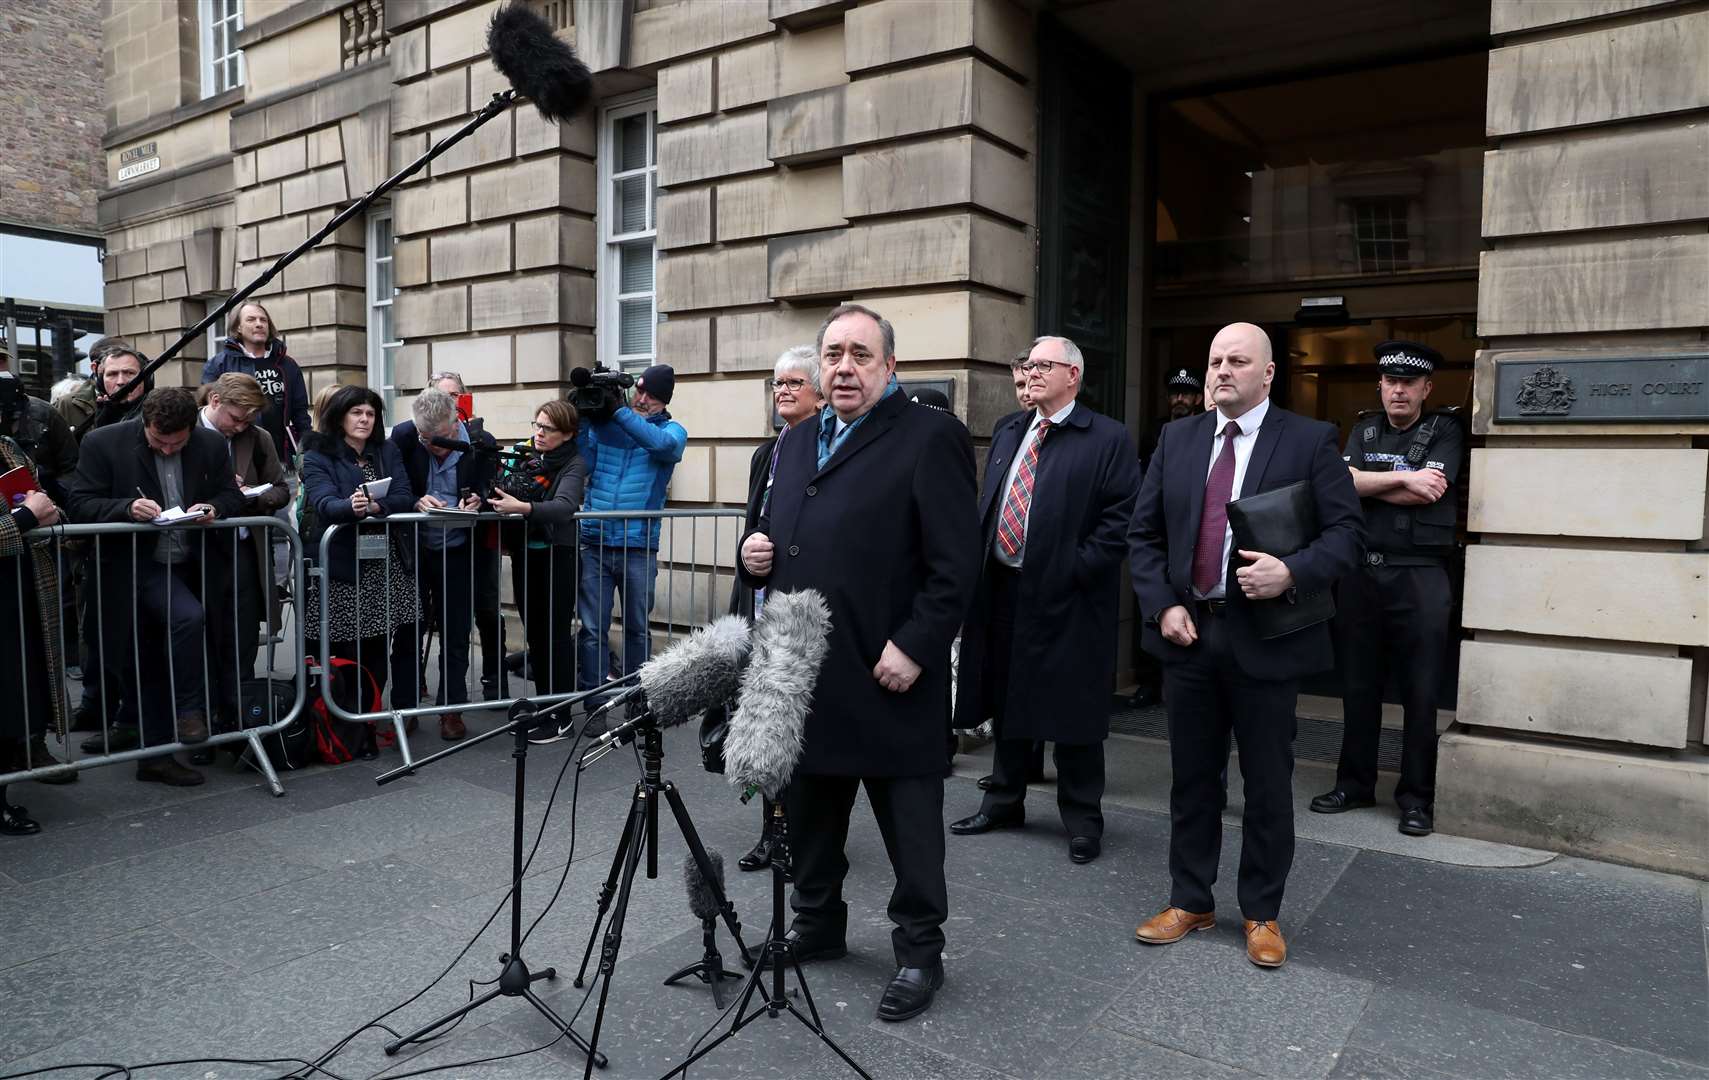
(1212, 1003)
(1102, 1054)
(1579, 947)
(335, 836)
(1455, 1039)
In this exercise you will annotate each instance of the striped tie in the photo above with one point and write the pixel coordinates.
(1012, 525)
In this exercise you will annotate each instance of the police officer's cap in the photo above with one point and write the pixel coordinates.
(1406, 359)
(1186, 380)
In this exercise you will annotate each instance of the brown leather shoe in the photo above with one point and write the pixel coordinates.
(193, 727)
(1264, 944)
(451, 726)
(1172, 924)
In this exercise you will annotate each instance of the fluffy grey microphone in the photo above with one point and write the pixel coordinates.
(766, 733)
(703, 894)
(698, 672)
(537, 63)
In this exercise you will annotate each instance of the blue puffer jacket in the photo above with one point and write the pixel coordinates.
(630, 460)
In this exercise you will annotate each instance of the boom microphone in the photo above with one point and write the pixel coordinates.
(537, 63)
(703, 894)
(700, 671)
(790, 640)
(452, 444)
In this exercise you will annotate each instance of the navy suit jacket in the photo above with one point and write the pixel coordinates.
(1165, 527)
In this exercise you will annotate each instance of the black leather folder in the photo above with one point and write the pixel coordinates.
(1280, 523)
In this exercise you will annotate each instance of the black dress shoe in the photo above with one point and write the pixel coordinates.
(986, 781)
(1144, 697)
(1337, 801)
(910, 992)
(1083, 849)
(14, 822)
(1417, 822)
(984, 823)
(809, 949)
(760, 856)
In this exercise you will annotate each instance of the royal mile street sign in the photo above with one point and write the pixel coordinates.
(1604, 390)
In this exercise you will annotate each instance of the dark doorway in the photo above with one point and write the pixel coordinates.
(1085, 133)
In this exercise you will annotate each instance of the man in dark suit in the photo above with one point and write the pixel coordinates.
(131, 472)
(1058, 494)
(445, 557)
(872, 504)
(1197, 597)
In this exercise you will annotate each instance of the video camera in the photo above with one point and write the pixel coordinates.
(598, 392)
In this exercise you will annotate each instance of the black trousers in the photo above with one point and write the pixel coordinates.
(399, 652)
(234, 628)
(909, 810)
(447, 583)
(1210, 699)
(489, 563)
(544, 580)
(1079, 767)
(1391, 618)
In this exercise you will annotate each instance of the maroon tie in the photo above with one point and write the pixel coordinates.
(1213, 522)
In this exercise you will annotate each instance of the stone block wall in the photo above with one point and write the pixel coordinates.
(1581, 705)
(496, 244)
(817, 152)
(51, 95)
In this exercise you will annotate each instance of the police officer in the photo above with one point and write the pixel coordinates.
(1394, 612)
(1186, 398)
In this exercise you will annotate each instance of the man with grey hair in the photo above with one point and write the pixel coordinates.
(488, 556)
(1059, 489)
(448, 478)
(872, 504)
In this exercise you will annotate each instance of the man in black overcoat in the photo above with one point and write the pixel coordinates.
(1197, 594)
(1059, 490)
(153, 582)
(872, 504)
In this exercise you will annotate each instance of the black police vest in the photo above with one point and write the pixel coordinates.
(1424, 531)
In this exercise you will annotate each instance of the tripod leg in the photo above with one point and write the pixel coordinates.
(692, 837)
(614, 931)
(455, 1014)
(826, 1039)
(594, 1057)
(609, 889)
(742, 1019)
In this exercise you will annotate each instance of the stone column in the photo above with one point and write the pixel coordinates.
(1587, 590)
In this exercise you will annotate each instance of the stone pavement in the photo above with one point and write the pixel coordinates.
(150, 924)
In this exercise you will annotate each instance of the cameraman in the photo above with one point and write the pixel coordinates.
(546, 489)
(631, 452)
(447, 477)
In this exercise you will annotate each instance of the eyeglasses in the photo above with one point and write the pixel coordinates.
(1043, 367)
(794, 386)
(538, 426)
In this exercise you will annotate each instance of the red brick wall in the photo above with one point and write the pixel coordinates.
(52, 98)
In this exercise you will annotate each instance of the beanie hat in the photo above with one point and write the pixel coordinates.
(659, 381)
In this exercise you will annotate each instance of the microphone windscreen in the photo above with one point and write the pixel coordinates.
(539, 65)
(580, 376)
(766, 734)
(702, 897)
(451, 444)
(700, 671)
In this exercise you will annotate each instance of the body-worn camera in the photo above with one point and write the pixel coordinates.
(597, 392)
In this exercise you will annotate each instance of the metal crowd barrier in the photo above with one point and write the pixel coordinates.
(685, 583)
(128, 658)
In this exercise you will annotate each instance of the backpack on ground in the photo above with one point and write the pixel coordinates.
(335, 739)
(267, 701)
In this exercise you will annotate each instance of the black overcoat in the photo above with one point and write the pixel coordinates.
(1062, 665)
(113, 464)
(888, 532)
(1290, 448)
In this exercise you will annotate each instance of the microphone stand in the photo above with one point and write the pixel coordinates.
(501, 101)
(515, 979)
(779, 953)
(641, 831)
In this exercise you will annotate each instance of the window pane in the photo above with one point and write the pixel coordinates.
(630, 198)
(383, 289)
(231, 76)
(635, 273)
(631, 140)
(383, 236)
(383, 323)
(635, 326)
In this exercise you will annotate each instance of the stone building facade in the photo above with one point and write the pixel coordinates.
(985, 170)
(51, 94)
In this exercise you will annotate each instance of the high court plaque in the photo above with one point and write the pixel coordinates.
(1604, 390)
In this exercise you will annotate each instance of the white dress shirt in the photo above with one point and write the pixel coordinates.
(1029, 437)
(1243, 444)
